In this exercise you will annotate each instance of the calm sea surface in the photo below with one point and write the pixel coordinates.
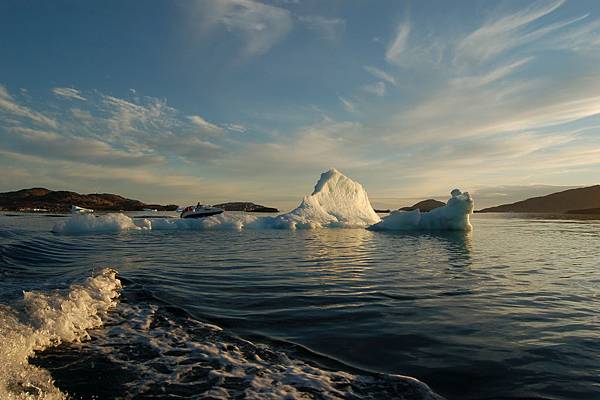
(509, 311)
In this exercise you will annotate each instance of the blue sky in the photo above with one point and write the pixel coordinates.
(246, 100)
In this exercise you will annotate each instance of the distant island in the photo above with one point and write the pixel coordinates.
(245, 206)
(425, 205)
(584, 200)
(42, 199)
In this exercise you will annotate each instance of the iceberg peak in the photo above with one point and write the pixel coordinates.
(336, 201)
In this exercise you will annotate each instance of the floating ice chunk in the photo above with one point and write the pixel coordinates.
(454, 216)
(225, 221)
(337, 201)
(85, 223)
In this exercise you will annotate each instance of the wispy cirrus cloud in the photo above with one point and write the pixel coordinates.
(380, 74)
(398, 45)
(109, 130)
(348, 105)
(204, 125)
(237, 128)
(10, 107)
(68, 93)
(376, 88)
(503, 32)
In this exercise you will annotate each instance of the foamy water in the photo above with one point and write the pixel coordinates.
(46, 319)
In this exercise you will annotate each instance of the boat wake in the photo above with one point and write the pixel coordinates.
(44, 320)
(157, 351)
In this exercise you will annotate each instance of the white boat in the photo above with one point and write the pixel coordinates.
(200, 211)
(150, 210)
(80, 210)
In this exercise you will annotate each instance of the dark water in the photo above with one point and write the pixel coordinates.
(509, 311)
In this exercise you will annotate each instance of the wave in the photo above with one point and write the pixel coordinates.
(42, 320)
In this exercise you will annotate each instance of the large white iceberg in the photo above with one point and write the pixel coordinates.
(454, 216)
(337, 201)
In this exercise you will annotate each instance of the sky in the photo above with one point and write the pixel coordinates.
(242, 100)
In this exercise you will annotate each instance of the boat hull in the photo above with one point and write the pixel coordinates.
(201, 215)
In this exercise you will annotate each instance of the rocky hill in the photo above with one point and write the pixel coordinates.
(425, 205)
(560, 202)
(61, 201)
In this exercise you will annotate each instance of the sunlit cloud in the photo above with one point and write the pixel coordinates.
(204, 125)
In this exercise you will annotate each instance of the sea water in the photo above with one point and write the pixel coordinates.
(507, 311)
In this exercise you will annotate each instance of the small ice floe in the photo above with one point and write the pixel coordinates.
(454, 216)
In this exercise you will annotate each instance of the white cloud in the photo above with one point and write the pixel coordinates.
(397, 46)
(491, 76)
(330, 29)
(377, 88)
(83, 149)
(68, 93)
(380, 74)
(111, 131)
(504, 32)
(11, 107)
(238, 128)
(204, 125)
(348, 105)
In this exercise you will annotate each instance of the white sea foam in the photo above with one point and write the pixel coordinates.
(200, 360)
(453, 216)
(43, 320)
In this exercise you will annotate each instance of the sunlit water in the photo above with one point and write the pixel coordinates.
(509, 311)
